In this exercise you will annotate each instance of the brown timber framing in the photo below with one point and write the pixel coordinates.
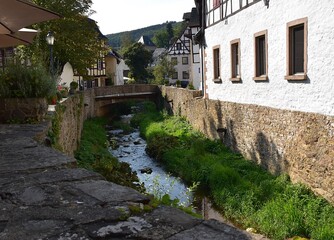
(223, 8)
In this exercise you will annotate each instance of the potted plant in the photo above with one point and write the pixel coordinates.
(73, 87)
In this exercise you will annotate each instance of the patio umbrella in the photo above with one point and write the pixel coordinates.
(22, 37)
(16, 14)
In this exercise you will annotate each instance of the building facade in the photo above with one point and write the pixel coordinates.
(185, 53)
(271, 53)
(268, 93)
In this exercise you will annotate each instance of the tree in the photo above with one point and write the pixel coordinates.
(162, 38)
(77, 38)
(170, 30)
(163, 70)
(126, 40)
(138, 58)
(179, 29)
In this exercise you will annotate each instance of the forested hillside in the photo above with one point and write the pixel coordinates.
(116, 39)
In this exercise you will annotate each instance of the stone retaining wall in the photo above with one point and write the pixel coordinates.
(21, 110)
(298, 143)
(71, 116)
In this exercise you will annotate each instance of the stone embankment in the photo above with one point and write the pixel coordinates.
(43, 195)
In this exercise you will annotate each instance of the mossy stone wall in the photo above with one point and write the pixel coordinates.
(22, 110)
(298, 143)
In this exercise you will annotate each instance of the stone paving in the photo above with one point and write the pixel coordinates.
(44, 196)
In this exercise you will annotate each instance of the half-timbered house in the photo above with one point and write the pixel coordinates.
(185, 53)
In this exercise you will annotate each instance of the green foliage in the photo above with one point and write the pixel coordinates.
(179, 28)
(248, 195)
(116, 39)
(20, 81)
(191, 86)
(54, 132)
(163, 37)
(138, 58)
(77, 38)
(126, 41)
(74, 85)
(163, 70)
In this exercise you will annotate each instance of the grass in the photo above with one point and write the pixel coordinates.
(93, 155)
(248, 195)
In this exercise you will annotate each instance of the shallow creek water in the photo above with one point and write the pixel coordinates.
(131, 149)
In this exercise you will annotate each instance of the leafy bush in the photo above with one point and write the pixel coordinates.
(20, 81)
(74, 85)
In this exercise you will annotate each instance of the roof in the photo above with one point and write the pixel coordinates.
(192, 18)
(97, 29)
(158, 52)
(157, 55)
(145, 40)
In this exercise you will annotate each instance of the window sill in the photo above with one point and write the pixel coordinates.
(296, 77)
(217, 80)
(235, 79)
(261, 78)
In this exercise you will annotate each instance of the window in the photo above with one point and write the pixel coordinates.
(216, 3)
(185, 75)
(297, 50)
(235, 60)
(99, 64)
(216, 63)
(175, 75)
(184, 60)
(261, 56)
(178, 46)
(174, 60)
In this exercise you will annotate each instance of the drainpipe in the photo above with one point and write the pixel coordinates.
(203, 46)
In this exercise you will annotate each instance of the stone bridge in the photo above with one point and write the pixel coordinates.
(106, 96)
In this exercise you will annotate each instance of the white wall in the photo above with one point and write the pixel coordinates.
(181, 67)
(119, 72)
(315, 95)
(66, 76)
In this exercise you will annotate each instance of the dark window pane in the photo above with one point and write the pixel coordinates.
(235, 60)
(298, 49)
(216, 63)
(260, 56)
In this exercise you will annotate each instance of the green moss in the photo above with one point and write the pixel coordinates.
(56, 121)
(135, 209)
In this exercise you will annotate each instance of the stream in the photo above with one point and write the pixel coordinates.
(131, 149)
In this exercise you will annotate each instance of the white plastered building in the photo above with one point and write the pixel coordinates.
(276, 53)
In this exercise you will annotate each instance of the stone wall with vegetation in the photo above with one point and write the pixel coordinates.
(22, 110)
(298, 143)
(68, 121)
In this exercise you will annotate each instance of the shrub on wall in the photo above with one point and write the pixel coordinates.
(20, 81)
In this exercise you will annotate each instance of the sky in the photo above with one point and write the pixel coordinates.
(114, 16)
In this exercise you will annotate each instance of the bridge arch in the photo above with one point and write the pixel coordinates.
(105, 97)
